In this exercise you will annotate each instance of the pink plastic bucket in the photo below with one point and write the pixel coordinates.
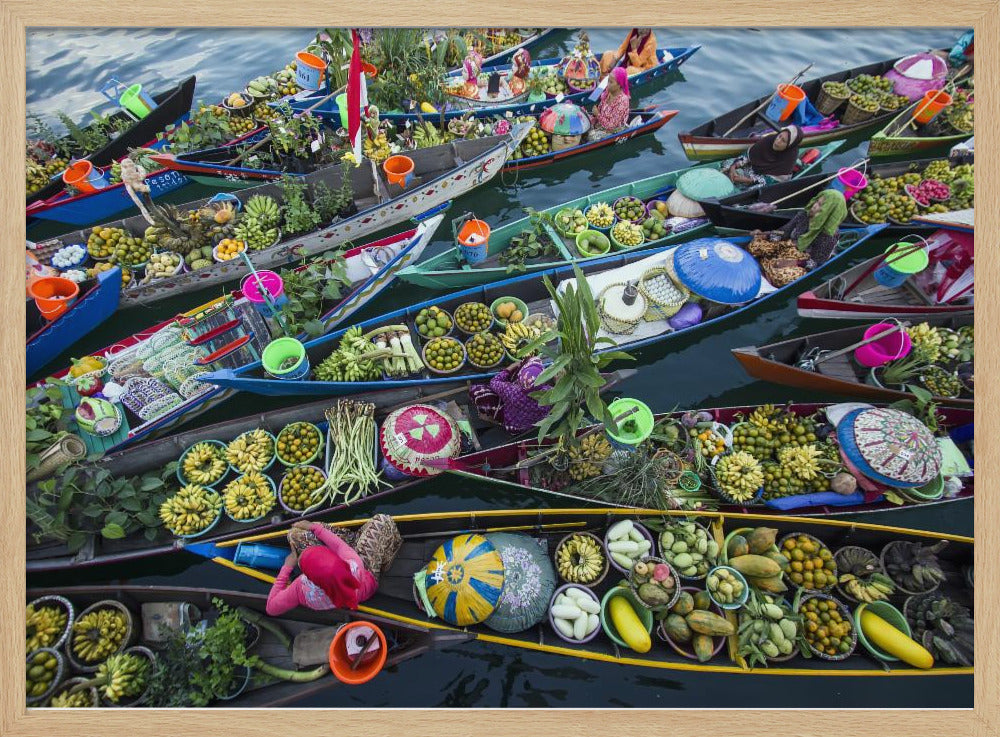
(892, 347)
(271, 282)
(850, 182)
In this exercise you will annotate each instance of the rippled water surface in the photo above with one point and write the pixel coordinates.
(65, 69)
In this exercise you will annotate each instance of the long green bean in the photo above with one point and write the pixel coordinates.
(352, 473)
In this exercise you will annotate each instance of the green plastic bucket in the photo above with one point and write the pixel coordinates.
(933, 489)
(341, 101)
(895, 270)
(137, 102)
(890, 614)
(281, 350)
(642, 417)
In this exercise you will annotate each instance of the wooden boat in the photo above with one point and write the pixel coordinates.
(871, 300)
(98, 300)
(405, 641)
(738, 210)
(510, 466)
(712, 140)
(424, 533)
(47, 555)
(529, 37)
(172, 106)
(531, 290)
(670, 60)
(441, 174)
(900, 138)
(777, 363)
(229, 331)
(449, 270)
(960, 220)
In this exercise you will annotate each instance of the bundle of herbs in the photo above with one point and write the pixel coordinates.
(530, 244)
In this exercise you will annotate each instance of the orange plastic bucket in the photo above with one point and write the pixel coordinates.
(369, 70)
(474, 240)
(933, 102)
(398, 169)
(309, 70)
(83, 176)
(53, 295)
(786, 98)
(348, 641)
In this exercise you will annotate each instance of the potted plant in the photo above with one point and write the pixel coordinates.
(897, 374)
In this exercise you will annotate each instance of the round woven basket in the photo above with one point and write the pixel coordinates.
(657, 310)
(616, 324)
(876, 562)
(56, 680)
(130, 633)
(677, 585)
(898, 585)
(607, 558)
(66, 605)
(828, 104)
(853, 114)
(821, 544)
(846, 614)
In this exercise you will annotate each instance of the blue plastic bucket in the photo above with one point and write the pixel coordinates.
(895, 270)
(309, 70)
(258, 555)
(280, 350)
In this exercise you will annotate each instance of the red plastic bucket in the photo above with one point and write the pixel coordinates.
(309, 70)
(933, 102)
(53, 295)
(850, 182)
(83, 176)
(786, 98)
(348, 643)
(892, 347)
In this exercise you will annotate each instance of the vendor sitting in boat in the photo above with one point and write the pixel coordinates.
(636, 54)
(805, 243)
(772, 158)
(611, 113)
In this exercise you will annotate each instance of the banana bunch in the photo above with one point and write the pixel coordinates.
(249, 497)
(190, 510)
(204, 464)
(377, 150)
(426, 135)
(768, 417)
(251, 451)
(98, 634)
(739, 475)
(70, 699)
(40, 670)
(262, 208)
(913, 566)
(580, 559)
(122, 676)
(587, 457)
(517, 335)
(256, 236)
(355, 359)
(926, 340)
(42, 626)
(801, 460)
(875, 587)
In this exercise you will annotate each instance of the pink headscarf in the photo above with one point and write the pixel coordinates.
(331, 573)
(621, 77)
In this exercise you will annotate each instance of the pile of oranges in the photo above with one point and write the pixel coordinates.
(228, 248)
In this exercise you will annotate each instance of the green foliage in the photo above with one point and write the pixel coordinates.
(38, 129)
(45, 420)
(574, 362)
(298, 214)
(87, 139)
(308, 289)
(336, 49)
(205, 129)
(407, 68)
(293, 135)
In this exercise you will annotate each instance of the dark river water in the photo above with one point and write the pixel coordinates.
(65, 68)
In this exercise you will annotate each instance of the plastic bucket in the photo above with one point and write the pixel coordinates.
(474, 240)
(137, 102)
(642, 417)
(895, 270)
(84, 176)
(398, 170)
(53, 295)
(347, 646)
(309, 70)
(786, 98)
(280, 350)
(890, 614)
(258, 555)
(892, 347)
(341, 100)
(251, 289)
(850, 182)
(933, 102)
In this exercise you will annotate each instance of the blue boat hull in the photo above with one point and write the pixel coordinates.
(248, 378)
(89, 311)
(329, 111)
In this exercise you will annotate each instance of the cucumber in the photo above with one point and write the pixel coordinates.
(589, 605)
(566, 611)
(580, 627)
(635, 535)
(593, 621)
(623, 560)
(563, 626)
(575, 593)
(620, 529)
(627, 547)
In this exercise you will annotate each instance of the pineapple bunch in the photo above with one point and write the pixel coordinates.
(173, 231)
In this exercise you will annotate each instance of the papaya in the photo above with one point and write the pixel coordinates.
(684, 605)
(755, 565)
(761, 539)
(771, 584)
(702, 600)
(709, 623)
(737, 546)
(703, 647)
(778, 558)
(677, 628)
(628, 625)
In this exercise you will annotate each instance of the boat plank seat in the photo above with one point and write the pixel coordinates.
(840, 368)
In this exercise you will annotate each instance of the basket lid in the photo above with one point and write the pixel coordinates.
(418, 438)
(717, 270)
(890, 446)
(528, 583)
(465, 579)
(700, 184)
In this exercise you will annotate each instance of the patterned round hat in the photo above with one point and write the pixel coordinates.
(890, 446)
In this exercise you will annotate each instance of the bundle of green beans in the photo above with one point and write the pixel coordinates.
(352, 473)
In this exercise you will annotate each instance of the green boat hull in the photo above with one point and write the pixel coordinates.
(448, 270)
(903, 144)
(217, 182)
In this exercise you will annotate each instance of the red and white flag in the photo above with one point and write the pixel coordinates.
(357, 97)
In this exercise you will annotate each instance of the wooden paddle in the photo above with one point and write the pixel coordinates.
(866, 341)
(764, 104)
(884, 258)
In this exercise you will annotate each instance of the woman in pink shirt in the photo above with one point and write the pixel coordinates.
(611, 113)
(333, 576)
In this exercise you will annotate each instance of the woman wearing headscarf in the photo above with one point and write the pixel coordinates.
(506, 400)
(806, 242)
(611, 113)
(333, 576)
(637, 53)
(772, 158)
